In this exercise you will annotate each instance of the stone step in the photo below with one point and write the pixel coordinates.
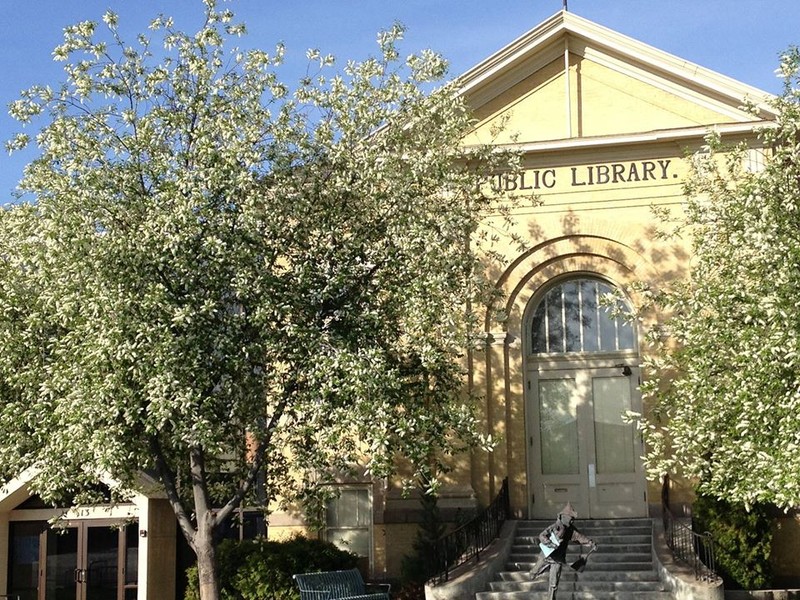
(569, 575)
(640, 548)
(599, 524)
(617, 522)
(536, 595)
(643, 538)
(582, 585)
(599, 533)
(594, 566)
(597, 563)
(622, 568)
(612, 524)
(639, 552)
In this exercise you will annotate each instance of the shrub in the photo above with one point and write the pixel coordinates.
(743, 540)
(419, 566)
(258, 569)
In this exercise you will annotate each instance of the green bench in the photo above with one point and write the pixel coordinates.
(338, 585)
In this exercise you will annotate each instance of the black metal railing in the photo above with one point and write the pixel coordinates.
(694, 549)
(468, 541)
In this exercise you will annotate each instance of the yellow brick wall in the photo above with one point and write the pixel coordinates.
(402, 538)
(785, 555)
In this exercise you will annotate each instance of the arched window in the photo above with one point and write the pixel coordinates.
(571, 317)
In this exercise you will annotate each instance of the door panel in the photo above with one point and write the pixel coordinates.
(558, 427)
(81, 561)
(558, 445)
(611, 398)
(62, 564)
(24, 559)
(101, 564)
(619, 486)
(581, 450)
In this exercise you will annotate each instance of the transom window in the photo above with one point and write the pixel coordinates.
(572, 317)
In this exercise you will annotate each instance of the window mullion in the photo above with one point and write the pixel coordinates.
(563, 319)
(547, 323)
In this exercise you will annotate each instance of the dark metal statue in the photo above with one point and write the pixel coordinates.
(553, 542)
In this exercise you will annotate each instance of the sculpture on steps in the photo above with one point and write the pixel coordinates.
(553, 541)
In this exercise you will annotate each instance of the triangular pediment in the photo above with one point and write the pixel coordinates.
(17, 492)
(616, 86)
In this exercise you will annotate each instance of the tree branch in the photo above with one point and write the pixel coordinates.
(168, 480)
(258, 459)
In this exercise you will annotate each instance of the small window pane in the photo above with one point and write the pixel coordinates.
(364, 517)
(539, 329)
(625, 332)
(555, 321)
(608, 331)
(131, 554)
(608, 324)
(348, 510)
(591, 332)
(572, 312)
(331, 513)
(354, 540)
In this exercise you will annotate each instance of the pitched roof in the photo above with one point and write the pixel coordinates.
(610, 74)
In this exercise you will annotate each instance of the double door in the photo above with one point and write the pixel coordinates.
(85, 561)
(581, 450)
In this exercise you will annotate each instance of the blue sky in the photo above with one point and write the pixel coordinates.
(738, 38)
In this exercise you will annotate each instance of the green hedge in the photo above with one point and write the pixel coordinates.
(258, 569)
(743, 541)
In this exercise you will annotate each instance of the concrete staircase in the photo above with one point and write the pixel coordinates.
(622, 568)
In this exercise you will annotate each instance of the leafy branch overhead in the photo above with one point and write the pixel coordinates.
(727, 398)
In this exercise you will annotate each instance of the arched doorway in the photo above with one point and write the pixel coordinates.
(582, 376)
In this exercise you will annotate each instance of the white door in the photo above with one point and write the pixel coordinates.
(580, 449)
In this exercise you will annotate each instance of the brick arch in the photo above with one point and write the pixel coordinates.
(587, 254)
(498, 370)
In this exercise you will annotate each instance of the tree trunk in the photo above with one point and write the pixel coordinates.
(206, 561)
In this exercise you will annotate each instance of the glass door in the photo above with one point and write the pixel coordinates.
(616, 480)
(557, 444)
(25, 558)
(99, 576)
(87, 560)
(61, 564)
(581, 450)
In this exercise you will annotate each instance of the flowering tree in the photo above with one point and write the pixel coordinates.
(727, 393)
(221, 274)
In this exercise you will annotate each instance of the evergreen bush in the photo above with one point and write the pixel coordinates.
(421, 565)
(743, 540)
(258, 569)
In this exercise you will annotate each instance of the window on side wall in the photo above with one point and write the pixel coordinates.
(348, 522)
